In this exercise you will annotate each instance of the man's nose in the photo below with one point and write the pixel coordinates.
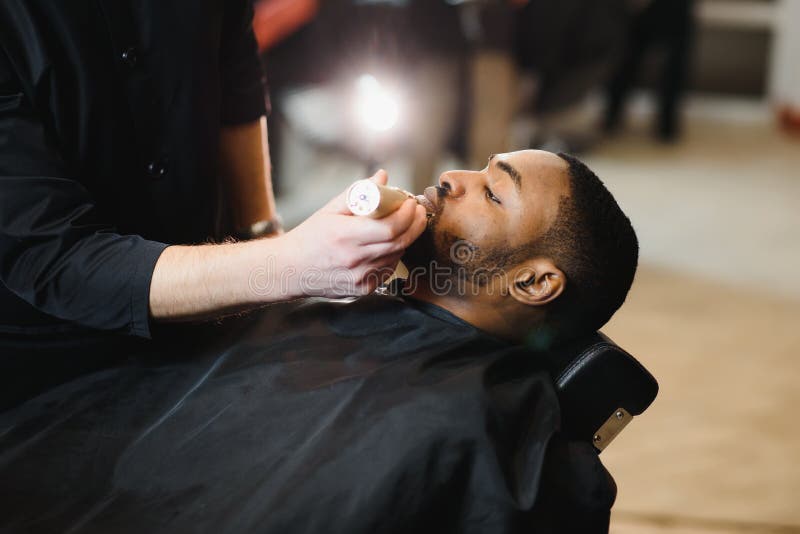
(457, 182)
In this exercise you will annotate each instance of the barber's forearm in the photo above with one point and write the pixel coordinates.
(246, 170)
(331, 254)
(207, 281)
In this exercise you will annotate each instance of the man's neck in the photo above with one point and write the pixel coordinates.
(481, 313)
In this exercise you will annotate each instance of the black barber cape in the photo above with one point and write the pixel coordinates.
(378, 416)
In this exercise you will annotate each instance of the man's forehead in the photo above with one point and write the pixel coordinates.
(533, 164)
(534, 160)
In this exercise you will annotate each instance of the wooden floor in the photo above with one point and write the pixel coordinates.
(715, 315)
(719, 450)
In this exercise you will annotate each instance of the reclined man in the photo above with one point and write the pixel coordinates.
(427, 410)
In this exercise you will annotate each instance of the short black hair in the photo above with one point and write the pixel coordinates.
(593, 242)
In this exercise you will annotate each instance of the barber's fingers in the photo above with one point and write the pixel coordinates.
(388, 229)
(415, 230)
(400, 243)
(388, 262)
(376, 273)
(339, 203)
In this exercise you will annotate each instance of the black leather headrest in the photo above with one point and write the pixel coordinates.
(595, 378)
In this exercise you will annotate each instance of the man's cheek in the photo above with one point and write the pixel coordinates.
(447, 223)
(467, 228)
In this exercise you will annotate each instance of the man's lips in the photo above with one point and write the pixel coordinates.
(428, 200)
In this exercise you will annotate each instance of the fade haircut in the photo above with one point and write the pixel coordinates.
(593, 242)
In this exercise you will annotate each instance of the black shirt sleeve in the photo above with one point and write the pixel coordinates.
(55, 252)
(243, 82)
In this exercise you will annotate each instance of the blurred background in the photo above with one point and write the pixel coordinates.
(688, 110)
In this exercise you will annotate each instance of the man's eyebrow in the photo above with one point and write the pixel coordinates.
(511, 171)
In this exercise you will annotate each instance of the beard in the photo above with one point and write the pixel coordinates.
(441, 253)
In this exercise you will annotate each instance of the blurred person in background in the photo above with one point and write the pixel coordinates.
(668, 25)
(130, 134)
(458, 63)
(493, 75)
(538, 59)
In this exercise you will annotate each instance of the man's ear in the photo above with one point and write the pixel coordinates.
(537, 282)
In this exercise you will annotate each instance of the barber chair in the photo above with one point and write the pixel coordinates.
(601, 388)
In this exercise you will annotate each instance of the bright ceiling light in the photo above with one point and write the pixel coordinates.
(377, 108)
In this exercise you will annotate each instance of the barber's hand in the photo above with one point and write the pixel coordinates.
(336, 254)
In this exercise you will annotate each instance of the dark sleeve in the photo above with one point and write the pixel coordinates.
(243, 82)
(55, 253)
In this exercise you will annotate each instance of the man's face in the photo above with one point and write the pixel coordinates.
(482, 215)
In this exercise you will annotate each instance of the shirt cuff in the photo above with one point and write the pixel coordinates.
(140, 288)
(245, 104)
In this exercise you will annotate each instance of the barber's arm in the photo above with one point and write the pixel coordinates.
(56, 250)
(245, 167)
(331, 254)
(60, 254)
(245, 171)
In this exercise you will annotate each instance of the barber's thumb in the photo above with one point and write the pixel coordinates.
(381, 177)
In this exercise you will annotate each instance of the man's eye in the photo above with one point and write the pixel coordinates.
(491, 196)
